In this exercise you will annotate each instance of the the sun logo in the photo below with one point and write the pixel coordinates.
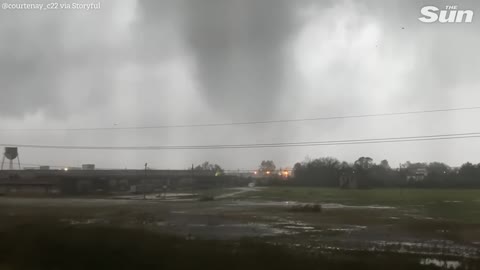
(450, 14)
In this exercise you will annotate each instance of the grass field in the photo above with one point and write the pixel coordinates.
(461, 205)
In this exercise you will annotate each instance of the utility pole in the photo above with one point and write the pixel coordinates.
(191, 180)
(144, 183)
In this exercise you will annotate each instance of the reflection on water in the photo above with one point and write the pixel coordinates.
(441, 263)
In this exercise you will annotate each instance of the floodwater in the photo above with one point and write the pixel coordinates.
(336, 227)
(256, 203)
(175, 196)
(168, 196)
(440, 263)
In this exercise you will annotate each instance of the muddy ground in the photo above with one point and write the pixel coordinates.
(342, 224)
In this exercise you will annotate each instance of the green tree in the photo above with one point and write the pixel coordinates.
(364, 163)
(384, 164)
(267, 167)
(206, 166)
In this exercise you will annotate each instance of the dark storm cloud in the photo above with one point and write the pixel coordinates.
(182, 61)
(239, 49)
(48, 60)
(27, 63)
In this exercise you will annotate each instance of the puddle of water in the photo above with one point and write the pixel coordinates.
(227, 230)
(83, 222)
(243, 225)
(428, 244)
(180, 194)
(197, 225)
(304, 228)
(430, 247)
(262, 203)
(289, 222)
(178, 212)
(419, 217)
(293, 225)
(294, 203)
(452, 201)
(348, 228)
(161, 196)
(441, 263)
(341, 206)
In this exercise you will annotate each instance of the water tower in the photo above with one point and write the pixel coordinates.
(11, 153)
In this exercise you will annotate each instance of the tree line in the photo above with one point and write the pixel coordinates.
(328, 172)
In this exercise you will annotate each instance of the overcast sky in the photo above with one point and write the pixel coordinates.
(137, 63)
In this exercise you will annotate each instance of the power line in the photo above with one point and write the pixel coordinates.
(259, 145)
(249, 122)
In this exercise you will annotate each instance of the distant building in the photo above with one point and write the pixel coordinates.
(37, 168)
(88, 167)
(418, 174)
